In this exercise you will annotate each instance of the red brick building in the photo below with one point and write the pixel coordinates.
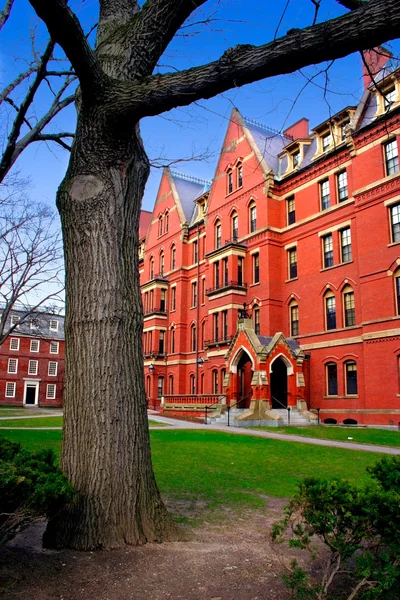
(32, 361)
(303, 230)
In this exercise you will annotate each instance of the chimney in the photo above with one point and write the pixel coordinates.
(373, 63)
(298, 130)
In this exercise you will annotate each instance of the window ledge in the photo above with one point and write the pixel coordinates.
(253, 284)
(290, 280)
(341, 264)
(393, 244)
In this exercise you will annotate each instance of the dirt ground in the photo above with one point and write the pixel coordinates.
(227, 560)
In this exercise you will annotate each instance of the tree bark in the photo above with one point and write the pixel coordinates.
(106, 449)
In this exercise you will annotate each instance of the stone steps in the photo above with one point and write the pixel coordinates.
(296, 418)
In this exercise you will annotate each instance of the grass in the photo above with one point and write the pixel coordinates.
(9, 411)
(229, 471)
(365, 435)
(51, 422)
(157, 424)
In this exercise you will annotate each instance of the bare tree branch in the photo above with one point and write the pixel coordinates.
(5, 13)
(14, 84)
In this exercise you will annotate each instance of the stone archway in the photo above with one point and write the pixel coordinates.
(279, 383)
(244, 376)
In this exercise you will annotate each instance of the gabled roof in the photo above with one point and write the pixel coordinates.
(269, 142)
(188, 189)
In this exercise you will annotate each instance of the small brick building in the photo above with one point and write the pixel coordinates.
(32, 361)
(303, 229)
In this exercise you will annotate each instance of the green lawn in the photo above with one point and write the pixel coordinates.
(51, 422)
(381, 437)
(9, 411)
(230, 471)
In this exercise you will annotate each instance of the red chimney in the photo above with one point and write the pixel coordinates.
(376, 59)
(298, 130)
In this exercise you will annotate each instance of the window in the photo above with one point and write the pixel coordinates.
(192, 385)
(203, 290)
(12, 365)
(256, 268)
(230, 182)
(397, 287)
(349, 309)
(163, 302)
(294, 320)
(291, 211)
(166, 222)
(235, 227)
(173, 258)
(256, 319)
(325, 194)
(193, 338)
(172, 341)
(161, 341)
(240, 271)
(215, 382)
(33, 367)
(203, 333)
(202, 384)
(173, 299)
(345, 245)
(389, 97)
(10, 389)
(162, 264)
(292, 259)
(151, 268)
(195, 252)
(351, 378)
(14, 343)
(151, 307)
(226, 271)
(253, 217)
(239, 173)
(296, 159)
(218, 235)
(216, 327)
(330, 309)
(51, 391)
(343, 129)
(52, 368)
(35, 346)
(171, 384)
(395, 222)
(342, 186)
(391, 157)
(194, 294)
(216, 275)
(15, 320)
(326, 141)
(148, 385)
(160, 387)
(53, 324)
(150, 342)
(160, 225)
(332, 380)
(33, 324)
(327, 245)
(225, 324)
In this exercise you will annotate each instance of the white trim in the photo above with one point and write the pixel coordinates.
(31, 383)
(289, 366)
(236, 358)
(13, 383)
(33, 342)
(14, 339)
(16, 366)
(52, 362)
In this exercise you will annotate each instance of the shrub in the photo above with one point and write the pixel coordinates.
(358, 527)
(31, 485)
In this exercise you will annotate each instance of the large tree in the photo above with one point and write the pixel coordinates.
(106, 452)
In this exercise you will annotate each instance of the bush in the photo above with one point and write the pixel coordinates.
(31, 485)
(358, 527)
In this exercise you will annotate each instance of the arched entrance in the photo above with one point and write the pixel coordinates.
(244, 377)
(278, 384)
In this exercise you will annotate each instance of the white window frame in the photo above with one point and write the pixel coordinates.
(13, 385)
(33, 366)
(33, 342)
(11, 361)
(48, 395)
(17, 343)
(57, 346)
(51, 362)
(51, 324)
(15, 320)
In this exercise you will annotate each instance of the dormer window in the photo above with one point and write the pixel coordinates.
(326, 141)
(239, 174)
(296, 159)
(160, 226)
(343, 129)
(389, 97)
(230, 182)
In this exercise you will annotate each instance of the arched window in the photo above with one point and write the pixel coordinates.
(215, 387)
(331, 379)
(173, 257)
(166, 222)
(349, 307)
(223, 373)
(239, 175)
(162, 263)
(218, 234)
(160, 387)
(202, 383)
(294, 318)
(171, 385)
(148, 383)
(397, 290)
(252, 216)
(172, 340)
(160, 225)
(151, 267)
(229, 181)
(192, 384)
(330, 310)
(235, 226)
(193, 338)
(351, 378)
(256, 319)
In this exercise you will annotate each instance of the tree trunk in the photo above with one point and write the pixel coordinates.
(106, 449)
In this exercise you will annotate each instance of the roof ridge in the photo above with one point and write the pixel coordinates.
(267, 128)
(190, 178)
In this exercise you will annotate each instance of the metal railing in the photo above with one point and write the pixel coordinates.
(225, 284)
(237, 403)
(219, 341)
(207, 406)
(155, 310)
(283, 406)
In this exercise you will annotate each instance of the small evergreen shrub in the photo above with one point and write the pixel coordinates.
(31, 485)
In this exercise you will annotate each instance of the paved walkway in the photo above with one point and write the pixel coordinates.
(178, 424)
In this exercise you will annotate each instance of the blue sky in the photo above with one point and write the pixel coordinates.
(199, 129)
